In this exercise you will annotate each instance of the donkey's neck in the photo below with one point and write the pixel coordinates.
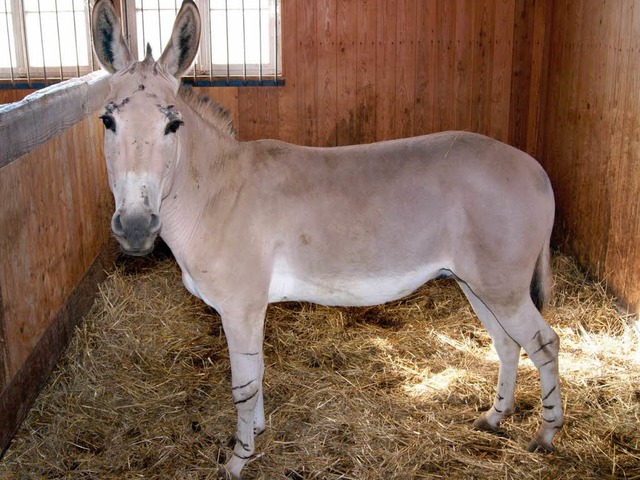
(206, 182)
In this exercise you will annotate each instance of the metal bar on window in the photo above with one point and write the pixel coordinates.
(11, 54)
(29, 68)
(209, 61)
(59, 43)
(277, 37)
(26, 43)
(44, 61)
(226, 32)
(160, 23)
(260, 40)
(244, 46)
(142, 18)
(246, 67)
(75, 36)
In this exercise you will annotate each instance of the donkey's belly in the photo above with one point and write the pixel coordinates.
(344, 289)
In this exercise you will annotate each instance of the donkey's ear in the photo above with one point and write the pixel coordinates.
(108, 42)
(185, 38)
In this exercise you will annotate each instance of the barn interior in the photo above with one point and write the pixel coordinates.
(384, 392)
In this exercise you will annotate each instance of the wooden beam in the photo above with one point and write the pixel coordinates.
(23, 125)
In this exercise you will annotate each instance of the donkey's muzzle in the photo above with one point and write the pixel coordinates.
(136, 233)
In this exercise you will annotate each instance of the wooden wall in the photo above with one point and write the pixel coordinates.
(54, 225)
(10, 96)
(590, 137)
(51, 231)
(368, 70)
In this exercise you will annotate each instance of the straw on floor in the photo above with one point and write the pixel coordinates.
(387, 392)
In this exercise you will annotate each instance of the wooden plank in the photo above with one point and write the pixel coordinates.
(405, 67)
(248, 113)
(346, 75)
(16, 399)
(501, 69)
(386, 30)
(366, 88)
(287, 95)
(444, 116)
(11, 95)
(307, 73)
(327, 59)
(24, 127)
(593, 177)
(560, 118)
(268, 108)
(426, 20)
(539, 77)
(484, 15)
(463, 62)
(573, 167)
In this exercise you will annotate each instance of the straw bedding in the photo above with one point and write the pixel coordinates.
(388, 392)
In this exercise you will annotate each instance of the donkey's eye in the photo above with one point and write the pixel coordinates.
(172, 126)
(109, 122)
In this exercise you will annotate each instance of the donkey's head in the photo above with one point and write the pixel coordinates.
(142, 123)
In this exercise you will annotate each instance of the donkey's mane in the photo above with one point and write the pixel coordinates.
(209, 110)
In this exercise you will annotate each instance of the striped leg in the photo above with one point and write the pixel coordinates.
(542, 348)
(509, 355)
(523, 325)
(244, 337)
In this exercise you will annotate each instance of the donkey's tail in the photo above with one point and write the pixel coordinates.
(541, 283)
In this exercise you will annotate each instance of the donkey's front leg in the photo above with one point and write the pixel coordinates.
(244, 334)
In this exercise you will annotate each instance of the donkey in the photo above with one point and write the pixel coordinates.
(251, 223)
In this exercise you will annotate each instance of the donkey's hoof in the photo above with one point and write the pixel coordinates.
(224, 474)
(481, 423)
(539, 445)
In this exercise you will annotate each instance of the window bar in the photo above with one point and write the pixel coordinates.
(226, 32)
(59, 43)
(244, 48)
(88, 23)
(259, 41)
(75, 36)
(6, 17)
(144, 43)
(26, 44)
(160, 24)
(277, 35)
(209, 61)
(44, 62)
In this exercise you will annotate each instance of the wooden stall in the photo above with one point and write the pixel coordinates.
(556, 78)
(589, 138)
(53, 233)
(367, 70)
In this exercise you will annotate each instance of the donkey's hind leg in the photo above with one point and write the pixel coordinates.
(542, 345)
(524, 326)
(509, 354)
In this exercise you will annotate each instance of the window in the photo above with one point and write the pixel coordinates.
(45, 41)
(240, 41)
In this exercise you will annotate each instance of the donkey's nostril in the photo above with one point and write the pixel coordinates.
(154, 226)
(116, 225)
